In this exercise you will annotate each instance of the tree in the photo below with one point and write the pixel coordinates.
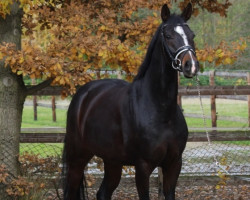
(62, 40)
(82, 35)
(12, 93)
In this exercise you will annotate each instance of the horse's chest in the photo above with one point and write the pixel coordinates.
(154, 145)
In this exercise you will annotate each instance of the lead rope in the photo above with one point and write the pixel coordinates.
(217, 163)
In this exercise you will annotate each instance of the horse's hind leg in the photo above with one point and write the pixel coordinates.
(112, 176)
(171, 172)
(74, 177)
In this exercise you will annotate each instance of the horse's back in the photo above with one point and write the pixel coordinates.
(95, 94)
(94, 115)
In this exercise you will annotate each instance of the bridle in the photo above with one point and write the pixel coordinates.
(176, 62)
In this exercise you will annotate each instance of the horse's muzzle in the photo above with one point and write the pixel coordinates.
(190, 68)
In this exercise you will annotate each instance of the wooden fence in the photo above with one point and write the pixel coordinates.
(221, 90)
(212, 90)
(56, 135)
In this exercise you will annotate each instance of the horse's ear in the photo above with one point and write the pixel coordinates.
(187, 12)
(165, 13)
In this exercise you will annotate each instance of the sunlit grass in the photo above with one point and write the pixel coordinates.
(230, 108)
(44, 117)
(227, 108)
(41, 149)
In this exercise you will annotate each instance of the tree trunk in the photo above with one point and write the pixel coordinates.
(12, 96)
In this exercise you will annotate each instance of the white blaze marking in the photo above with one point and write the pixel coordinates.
(179, 30)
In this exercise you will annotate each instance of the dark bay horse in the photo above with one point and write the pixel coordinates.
(138, 123)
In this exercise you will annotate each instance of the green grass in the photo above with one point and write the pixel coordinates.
(228, 108)
(194, 122)
(41, 149)
(44, 118)
(242, 143)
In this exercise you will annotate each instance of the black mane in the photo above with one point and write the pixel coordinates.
(144, 66)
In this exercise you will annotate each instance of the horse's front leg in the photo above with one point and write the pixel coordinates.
(143, 171)
(112, 176)
(171, 171)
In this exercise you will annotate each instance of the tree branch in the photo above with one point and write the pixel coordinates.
(31, 90)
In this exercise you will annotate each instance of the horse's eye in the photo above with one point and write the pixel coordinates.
(168, 37)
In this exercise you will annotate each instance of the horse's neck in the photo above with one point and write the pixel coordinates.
(155, 94)
(161, 80)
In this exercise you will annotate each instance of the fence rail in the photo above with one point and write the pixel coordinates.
(240, 74)
(212, 90)
(54, 135)
(225, 118)
(183, 90)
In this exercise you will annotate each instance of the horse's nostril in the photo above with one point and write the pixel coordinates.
(188, 65)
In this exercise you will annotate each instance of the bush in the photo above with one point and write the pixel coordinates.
(35, 174)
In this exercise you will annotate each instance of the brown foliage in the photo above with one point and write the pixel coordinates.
(212, 6)
(36, 173)
(66, 42)
(224, 53)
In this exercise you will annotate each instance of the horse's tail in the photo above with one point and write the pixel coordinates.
(65, 170)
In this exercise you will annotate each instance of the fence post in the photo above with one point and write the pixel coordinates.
(53, 102)
(213, 100)
(33, 82)
(179, 96)
(98, 74)
(248, 98)
(119, 74)
(35, 107)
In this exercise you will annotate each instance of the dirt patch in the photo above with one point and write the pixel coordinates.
(227, 192)
(239, 192)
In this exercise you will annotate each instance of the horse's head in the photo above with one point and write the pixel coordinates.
(178, 41)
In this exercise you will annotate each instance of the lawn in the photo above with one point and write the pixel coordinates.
(44, 117)
(41, 149)
(230, 108)
(227, 108)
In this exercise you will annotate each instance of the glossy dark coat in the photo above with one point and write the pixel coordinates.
(138, 123)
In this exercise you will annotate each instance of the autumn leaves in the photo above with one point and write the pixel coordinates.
(67, 41)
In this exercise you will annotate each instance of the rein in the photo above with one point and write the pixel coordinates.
(217, 163)
(176, 62)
